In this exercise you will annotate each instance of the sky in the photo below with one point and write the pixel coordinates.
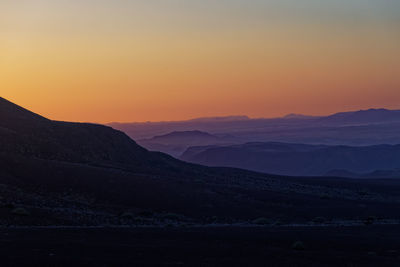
(128, 60)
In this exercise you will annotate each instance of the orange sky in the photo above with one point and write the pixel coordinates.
(104, 61)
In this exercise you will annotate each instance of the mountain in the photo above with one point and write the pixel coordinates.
(299, 159)
(176, 143)
(358, 128)
(186, 136)
(298, 116)
(220, 119)
(78, 174)
(28, 134)
(369, 116)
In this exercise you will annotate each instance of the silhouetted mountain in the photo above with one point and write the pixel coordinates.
(177, 137)
(60, 173)
(176, 143)
(220, 119)
(299, 159)
(363, 117)
(298, 116)
(28, 134)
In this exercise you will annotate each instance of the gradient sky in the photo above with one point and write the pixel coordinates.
(127, 60)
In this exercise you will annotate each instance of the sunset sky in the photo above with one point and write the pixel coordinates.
(128, 60)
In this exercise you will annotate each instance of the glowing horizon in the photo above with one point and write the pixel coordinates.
(104, 61)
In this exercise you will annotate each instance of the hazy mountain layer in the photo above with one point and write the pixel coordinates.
(365, 127)
(300, 159)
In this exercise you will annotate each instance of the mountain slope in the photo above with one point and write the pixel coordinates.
(28, 134)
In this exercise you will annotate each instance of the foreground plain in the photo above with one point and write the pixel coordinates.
(202, 246)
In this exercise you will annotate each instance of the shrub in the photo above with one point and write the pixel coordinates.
(20, 212)
(370, 220)
(262, 221)
(298, 245)
(145, 214)
(139, 220)
(171, 216)
(319, 220)
(9, 205)
(127, 215)
(324, 196)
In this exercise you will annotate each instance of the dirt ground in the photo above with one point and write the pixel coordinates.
(202, 246)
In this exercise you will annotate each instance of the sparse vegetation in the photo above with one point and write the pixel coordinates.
(262, 221)
(363, 193)
(127, 215)
(145, 214)
(370, 220)
(20, 212)
(298, 245)
(319, 220)
(9, 205)
(171, 216)
(324, 196)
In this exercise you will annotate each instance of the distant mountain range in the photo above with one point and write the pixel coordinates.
(362, 117)
(365, 127)
(353, 144)
(302, 160)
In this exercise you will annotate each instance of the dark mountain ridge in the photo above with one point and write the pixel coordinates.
(29, 134)
(363, 117)
(177, 142)
(178, 136)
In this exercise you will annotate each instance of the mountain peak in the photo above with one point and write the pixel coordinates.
(221, 119)
(297, 116)
(15, 117)
(372, 115)
(180, 136)
(194, 133)
(26, 133)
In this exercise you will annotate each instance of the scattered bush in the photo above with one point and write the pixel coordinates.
(319, 220)
(370, 220)
(363, 193)
(139, 220)
(298, 245)
(20, 212)
(127, 215)
(171, 216)
(213, 219)
(145, 214)
(262, 221)
(9, 205)
(324, 196)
